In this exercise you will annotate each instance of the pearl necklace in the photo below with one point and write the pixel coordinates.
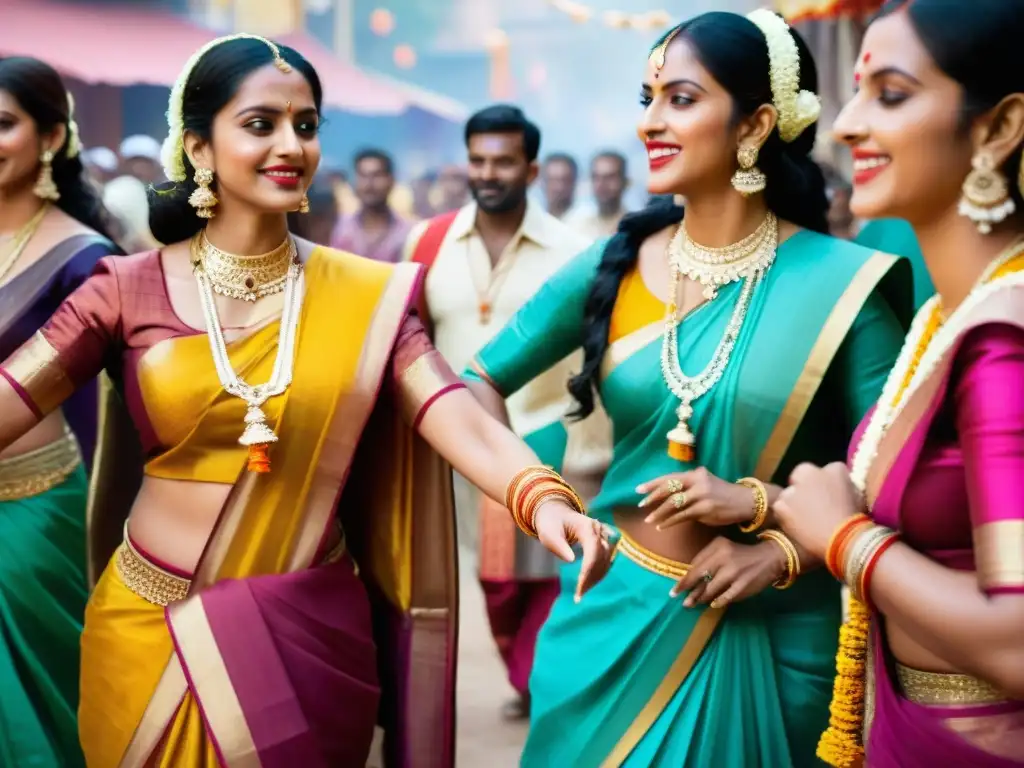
(715, 267)
(923, 350)
(682, 444)
(257, 435)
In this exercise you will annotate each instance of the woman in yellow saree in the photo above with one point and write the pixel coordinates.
(230, 626)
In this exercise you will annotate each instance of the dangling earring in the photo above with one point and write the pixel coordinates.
(748, 179)
(986, 194)
(203, 199)
(45, 189)
(304, 204)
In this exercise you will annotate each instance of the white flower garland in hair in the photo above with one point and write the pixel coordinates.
(171, 152)
(797, 109)
(74, 140)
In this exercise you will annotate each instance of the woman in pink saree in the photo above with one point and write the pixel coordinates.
(926, 524)
(294, 421)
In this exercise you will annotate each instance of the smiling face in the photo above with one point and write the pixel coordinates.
(687, 125)
(499, 173)
(910, 153)
(20, 146)
(265, 146)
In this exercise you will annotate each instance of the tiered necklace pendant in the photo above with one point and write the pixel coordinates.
(714, 268)
(248, 278)
(682, 442)
(485, 313)
(257, 436)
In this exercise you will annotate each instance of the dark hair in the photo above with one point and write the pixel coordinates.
(504, 118)
(375, 154)
(734, 50)
(39, 90)
(977, 43)
(213, 82)
(563, 157)
(611, 154)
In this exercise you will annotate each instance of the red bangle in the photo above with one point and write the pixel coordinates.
(838, 541)
(869, 569)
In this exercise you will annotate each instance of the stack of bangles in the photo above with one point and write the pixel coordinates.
(530, 488)
(792, 557)
(854, 551)
(760, 503)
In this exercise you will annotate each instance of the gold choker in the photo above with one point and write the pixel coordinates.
(248, 278)
(714, 268)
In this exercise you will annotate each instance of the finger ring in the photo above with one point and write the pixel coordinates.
(707, 576)
(679, 500)
(674, 486)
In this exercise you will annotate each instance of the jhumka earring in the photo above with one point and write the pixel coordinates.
(203, 199)
(748, 179)
(45, 189)
(986, 194)
(304, 204)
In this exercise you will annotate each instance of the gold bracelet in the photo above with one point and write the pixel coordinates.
(522, 478)
(760, 503)
(859, 554)
(529, 488)
(792, 557)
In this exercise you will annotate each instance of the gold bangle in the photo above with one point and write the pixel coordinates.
(760, 503)
(529, 488)
(522, 477)
(792, 557)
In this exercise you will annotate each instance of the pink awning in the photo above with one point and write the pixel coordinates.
(129, 45)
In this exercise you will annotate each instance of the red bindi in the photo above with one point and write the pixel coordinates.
(867, 57)
(856, 77)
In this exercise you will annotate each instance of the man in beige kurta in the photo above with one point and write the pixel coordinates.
(484, 264)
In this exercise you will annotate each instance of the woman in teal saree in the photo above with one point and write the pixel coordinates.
(794, 349)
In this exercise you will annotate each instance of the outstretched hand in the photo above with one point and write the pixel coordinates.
(559, 526)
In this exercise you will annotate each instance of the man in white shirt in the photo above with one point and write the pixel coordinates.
(485, 261)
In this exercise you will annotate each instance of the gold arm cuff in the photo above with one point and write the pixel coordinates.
(37, 370)
(999, 554)
(36, 472)
(422, 382)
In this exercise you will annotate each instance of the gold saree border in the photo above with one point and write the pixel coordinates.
(36, 369)
(197, 647)
(999, 554)
(354, 408)
(622, 349)
(1004, 306)
(830, 339)
(676, 675)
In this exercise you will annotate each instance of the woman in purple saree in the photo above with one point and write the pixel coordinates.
(926, 525)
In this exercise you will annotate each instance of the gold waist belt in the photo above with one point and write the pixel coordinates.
(940, 689)
(36, 472)
(629, 548)
(161, 587)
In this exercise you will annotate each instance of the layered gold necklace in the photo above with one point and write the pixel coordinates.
(19, 241)
(248, 278)
(717, 267)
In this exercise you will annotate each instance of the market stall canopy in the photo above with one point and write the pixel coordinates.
(796, 11)
(125, 44)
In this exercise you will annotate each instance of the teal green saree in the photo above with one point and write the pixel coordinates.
(629, 676)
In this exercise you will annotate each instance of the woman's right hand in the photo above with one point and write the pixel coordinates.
(559, 526)
(696, 496)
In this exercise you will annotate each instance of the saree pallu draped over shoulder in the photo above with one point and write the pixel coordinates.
(970, 730)
(265, 668)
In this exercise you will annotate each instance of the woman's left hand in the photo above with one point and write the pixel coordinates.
(815, 504)
(725, 572)
(696, 496)
(559, 526)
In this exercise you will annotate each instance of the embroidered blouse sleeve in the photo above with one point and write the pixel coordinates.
(989, 394)
(72, 348)
(419, 373)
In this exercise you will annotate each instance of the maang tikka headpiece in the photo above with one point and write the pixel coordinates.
(657, 57)
(173, 147)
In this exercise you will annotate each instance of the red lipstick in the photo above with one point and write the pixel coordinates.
(288, 176)
(867, 165)
(661, 153)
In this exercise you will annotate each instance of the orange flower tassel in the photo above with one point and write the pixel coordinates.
(259, 461)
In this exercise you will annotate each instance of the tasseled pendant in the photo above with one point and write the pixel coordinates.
(682, 445)
(485, 313)
(258, 437)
